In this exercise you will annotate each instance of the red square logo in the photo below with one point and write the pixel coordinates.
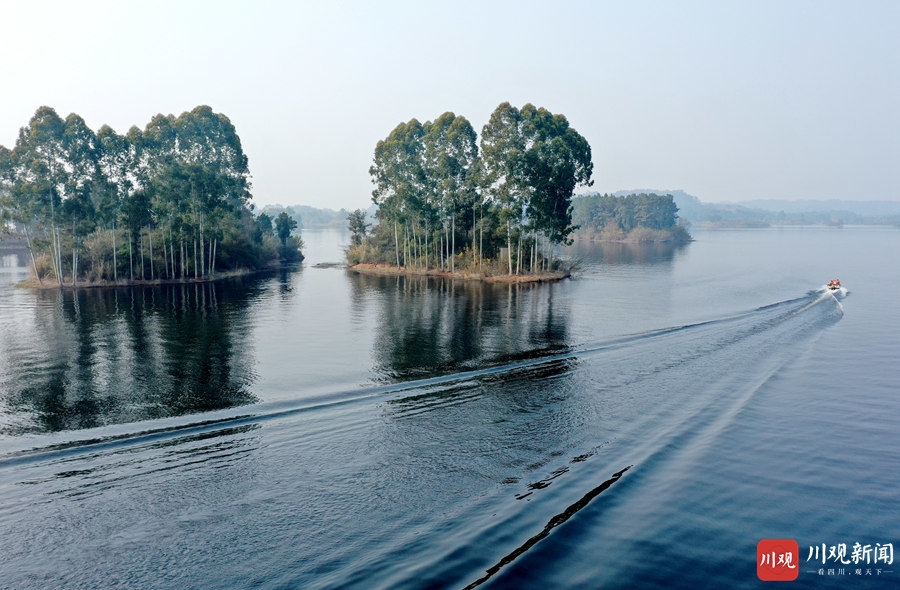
(777, 560)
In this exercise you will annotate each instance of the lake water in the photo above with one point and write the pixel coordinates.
(644, 424)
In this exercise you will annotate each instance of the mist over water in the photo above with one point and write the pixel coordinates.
(642, 425)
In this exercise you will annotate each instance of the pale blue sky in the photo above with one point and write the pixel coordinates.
(727, 100)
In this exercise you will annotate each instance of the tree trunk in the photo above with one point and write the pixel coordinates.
(509, 244)
(397, 244)
(202, 253)
(481, 238)
(33, 259)
(54, 235)
(74, 259)
(115, 266)
(533, 250)
(59, 256)
(131, 254)
(150, 233)
(415, 246)
(54, 251)
(519, 255)
(453, 242)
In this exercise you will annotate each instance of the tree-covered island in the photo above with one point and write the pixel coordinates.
(495, 209)
(631, 218)
(446, 206)
(169, 203)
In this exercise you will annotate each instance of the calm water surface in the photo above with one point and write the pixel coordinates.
(644, 424)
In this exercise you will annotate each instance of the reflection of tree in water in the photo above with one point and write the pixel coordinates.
(429, 326)
(625, 253)
(120, 355)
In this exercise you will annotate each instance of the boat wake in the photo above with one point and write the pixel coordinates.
(466, 478)
(701, 339)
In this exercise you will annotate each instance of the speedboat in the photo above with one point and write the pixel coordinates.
(834, 285)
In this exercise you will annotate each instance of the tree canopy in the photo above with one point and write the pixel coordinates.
(437, 193)
(171, 201)
(617, 217)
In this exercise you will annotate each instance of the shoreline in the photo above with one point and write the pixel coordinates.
(382, 269)
(632, 239)
(32, 283)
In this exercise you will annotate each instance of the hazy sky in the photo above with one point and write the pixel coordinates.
(726, 100)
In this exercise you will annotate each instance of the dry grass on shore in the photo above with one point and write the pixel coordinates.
(392, 270)
(52, 283)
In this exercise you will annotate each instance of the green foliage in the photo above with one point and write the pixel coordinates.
(362, 252)
(437, 195)
(169, 202)
(263, 227)
(640, 217)
(284, 225)
(358, 226)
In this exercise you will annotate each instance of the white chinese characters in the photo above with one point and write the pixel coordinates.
(859, 554)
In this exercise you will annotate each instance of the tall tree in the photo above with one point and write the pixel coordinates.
(181, 184)
(399, 178)
(83, 182)
(451, 150)
(556, 161)
(532, 162)
(40, 177)
(284, 225)
(358, 226)
(503, 181)
(118, 165)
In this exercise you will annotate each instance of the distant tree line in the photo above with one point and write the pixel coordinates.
(443, 202)
(309, 217)
(643, 216)
(166, 203)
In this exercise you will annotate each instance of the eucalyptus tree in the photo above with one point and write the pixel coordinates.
(356, 223)
(54, 162)
(118, 168)
(501, 171)
(532, 161)
(450, 152)
(186, 177)
(14, 209)
(83, 183)
(196, 171)
(399, 177)
(557, 159)
(209, 144)
(38, 173)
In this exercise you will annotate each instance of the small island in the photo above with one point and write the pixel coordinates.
(634, 218)
(499, 213)
(448, 208)
(171, 203)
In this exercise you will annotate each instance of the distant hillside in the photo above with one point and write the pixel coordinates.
(863, 209)
(763, 213)
(759, 213)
